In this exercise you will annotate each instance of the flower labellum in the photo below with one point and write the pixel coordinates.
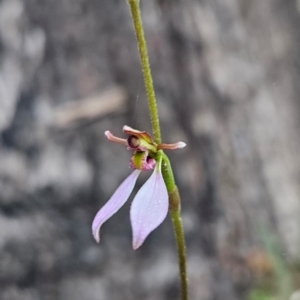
(149, 207)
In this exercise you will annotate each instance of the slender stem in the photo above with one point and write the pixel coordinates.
(139, 31)
(179, 235)
(174, 210)
(174, 197)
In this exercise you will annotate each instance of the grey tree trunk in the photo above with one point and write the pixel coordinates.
(226, 74)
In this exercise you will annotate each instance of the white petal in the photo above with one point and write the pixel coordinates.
(149, 208)
(116, 201)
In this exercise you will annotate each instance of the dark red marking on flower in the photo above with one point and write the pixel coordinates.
(133, 142)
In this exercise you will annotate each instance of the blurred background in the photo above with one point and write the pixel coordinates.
(227, 76)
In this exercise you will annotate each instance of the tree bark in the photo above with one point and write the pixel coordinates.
(227, 81)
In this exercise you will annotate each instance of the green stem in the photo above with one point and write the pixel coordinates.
(174, 210)
(174, 197)
(179, 235)
(139, 31)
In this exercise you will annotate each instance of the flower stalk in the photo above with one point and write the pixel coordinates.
(179, 235)
(139, 31)
(174, 211)
(167, 173)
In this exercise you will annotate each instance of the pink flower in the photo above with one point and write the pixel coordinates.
(149, 207)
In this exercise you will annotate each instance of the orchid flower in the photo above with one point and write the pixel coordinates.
(149, 207)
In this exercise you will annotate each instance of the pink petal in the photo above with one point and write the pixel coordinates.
(116, 201)
(149, 208)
